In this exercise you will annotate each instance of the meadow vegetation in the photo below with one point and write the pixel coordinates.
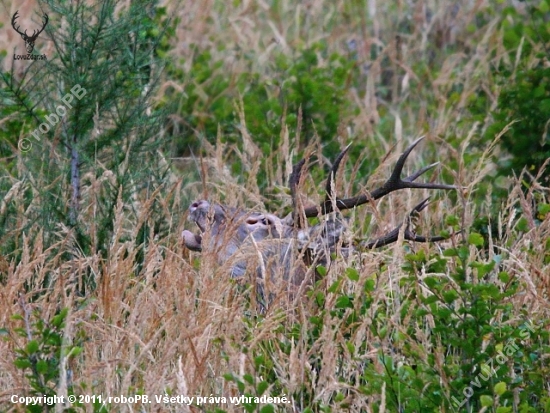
(218, 99)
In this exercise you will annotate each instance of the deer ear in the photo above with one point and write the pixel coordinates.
(277, 224)
(272, 220)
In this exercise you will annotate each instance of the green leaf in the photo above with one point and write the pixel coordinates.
(504, 276)
(32, 346)
(42, 366)
(500, 388)
(450, 296)
(335, 285)
(343, 302)
(352, 274)
(75, 351)
(370, 284)
(522, 225)
(451, 220)
(450, 252)
(463, 253)
(262, 387)
(543, 209)
(229, 377)
(267, 409)
(486, 401)
(431, 299)
(22, 363)
(321, 270)
(483, 269)
(431, 282)
(59, 319)
(476, 239)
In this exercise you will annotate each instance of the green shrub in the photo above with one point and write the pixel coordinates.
(524, 91)
(109, 64)
(313, 84)
(43, 353)
(455, 324)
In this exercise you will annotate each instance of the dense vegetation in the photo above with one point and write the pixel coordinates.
(166, 102)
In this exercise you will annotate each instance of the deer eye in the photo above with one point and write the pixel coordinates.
(254, 220)
(260, 219)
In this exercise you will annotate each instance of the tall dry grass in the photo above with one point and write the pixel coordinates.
(177, 323)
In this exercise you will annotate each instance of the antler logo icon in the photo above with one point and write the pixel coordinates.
(29, 40)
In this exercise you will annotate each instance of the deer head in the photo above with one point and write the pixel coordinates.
(241, 237)
(29, 40)
(287, 244)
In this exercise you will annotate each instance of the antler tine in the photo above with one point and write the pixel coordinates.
(395, 182)
(415, 175)
(409, 180)
(296, 218)
(408, 235)
(294, 179)
(330, 185)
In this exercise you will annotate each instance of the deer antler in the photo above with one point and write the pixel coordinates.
(34, 32)
(13, 19)
(394, 183)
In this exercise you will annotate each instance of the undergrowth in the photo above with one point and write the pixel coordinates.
(219, 100)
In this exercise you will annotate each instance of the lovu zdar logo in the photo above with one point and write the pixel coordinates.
(29, 40)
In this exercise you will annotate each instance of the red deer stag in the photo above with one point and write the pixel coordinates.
(273, 248)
